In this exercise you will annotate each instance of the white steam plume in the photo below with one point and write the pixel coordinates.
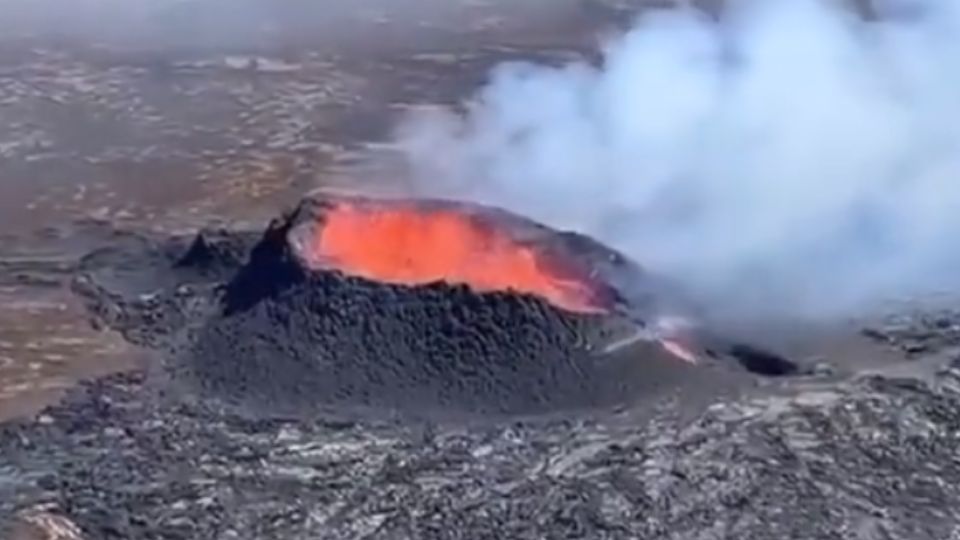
(791, 159)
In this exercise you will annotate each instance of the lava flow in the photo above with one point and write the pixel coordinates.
(419, 242)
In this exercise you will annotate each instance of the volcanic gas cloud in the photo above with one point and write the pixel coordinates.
(787, 158)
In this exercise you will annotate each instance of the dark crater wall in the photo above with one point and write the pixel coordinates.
(337, 340)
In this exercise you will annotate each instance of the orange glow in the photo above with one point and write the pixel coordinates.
(402, 242)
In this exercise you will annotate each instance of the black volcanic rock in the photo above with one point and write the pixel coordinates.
(875, 456)
(332, 340)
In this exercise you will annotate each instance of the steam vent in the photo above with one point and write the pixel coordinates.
(422, 306)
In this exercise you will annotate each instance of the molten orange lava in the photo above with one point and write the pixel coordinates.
(405, 243)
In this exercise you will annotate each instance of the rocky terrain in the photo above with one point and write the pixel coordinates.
(864, 459)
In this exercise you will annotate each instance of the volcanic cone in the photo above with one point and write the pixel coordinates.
(418, 305)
